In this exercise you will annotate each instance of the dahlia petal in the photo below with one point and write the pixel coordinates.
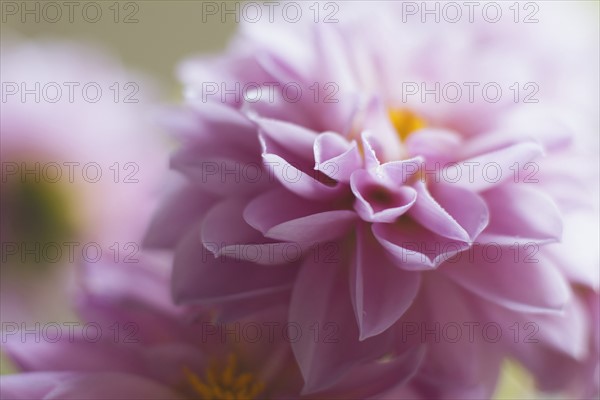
(266, 253)
(107, 285)
(200, 277)
(414, 248)
(224, 225)
(224, 232)
(335, 157)
(321, 296)
(314, 228)
(429, 213)
(572, 255)
(434, 145)
(566, 332)
(539, 126)
(381, 292)
(521, 215)
(279, 68)
(514, 284)
(236, 310)
(371, 147)
(277, 108)
(111, 386)
(331, 48)
(397, 202)
(199, 120)
(297, 180)
(31, 385)
(377, 122)
(281, 215)
(293, 138)
(177, 215)
(467, 208)
(76, 353)
(221, 169)
(399, 172)
(216, 111)
(378, 377)
(483, 177)
(441, 325)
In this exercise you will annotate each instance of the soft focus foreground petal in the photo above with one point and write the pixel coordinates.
(73, 352)
(111, 386)
(376, 379)
(135, 296)
(380, 291)
(31, 385)
(321, 296)
(441, 325)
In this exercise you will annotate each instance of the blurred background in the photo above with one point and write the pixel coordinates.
(152, 37)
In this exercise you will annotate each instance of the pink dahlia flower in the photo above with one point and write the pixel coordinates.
(133, 343)
(416, 226)
(81, 166)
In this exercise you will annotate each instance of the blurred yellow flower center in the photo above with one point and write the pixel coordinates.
(225, 383)
(405, 122)
(36, 212)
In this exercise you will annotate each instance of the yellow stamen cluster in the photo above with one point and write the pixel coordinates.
(405, 122)
(229, 384)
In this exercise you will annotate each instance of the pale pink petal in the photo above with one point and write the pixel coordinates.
(381, 292)
(520, 214)
(515, 284)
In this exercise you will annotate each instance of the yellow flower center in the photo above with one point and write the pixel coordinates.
(405, 122)
(224, 383)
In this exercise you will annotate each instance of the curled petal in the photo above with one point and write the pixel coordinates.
(376, 202)
(335, 157)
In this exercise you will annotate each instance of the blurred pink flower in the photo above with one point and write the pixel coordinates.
(134, 343)
(364, 190)
(82, 166)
